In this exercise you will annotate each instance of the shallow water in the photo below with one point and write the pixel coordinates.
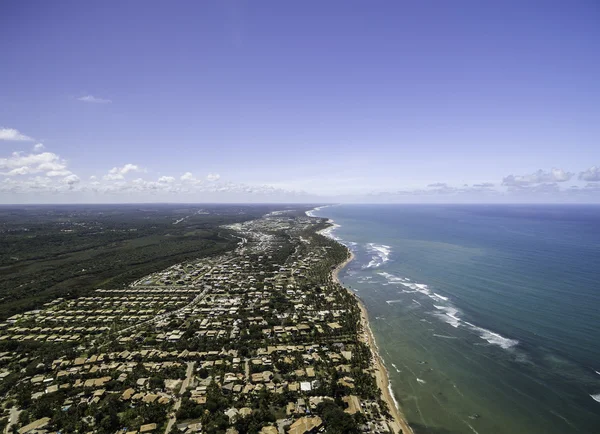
(488, 317)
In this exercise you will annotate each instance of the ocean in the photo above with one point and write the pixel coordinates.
(487, 316)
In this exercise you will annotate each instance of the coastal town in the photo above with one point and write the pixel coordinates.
(262, 339)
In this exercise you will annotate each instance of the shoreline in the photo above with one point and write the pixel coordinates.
(398, 421)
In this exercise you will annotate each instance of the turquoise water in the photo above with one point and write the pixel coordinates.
(488, 317)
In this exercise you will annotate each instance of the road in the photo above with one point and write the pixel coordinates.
(13, 418)
(188, 377)
(247, 369)
(186, 382)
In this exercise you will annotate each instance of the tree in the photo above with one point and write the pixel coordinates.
(336, 421)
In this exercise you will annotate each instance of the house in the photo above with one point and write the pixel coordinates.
(305, 386)
(232, 414)
(35, 426)
(353, 404)
(306, 425)
(245, 411)
(127, 394)
(150, 427)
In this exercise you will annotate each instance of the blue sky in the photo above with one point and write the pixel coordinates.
(356, 101)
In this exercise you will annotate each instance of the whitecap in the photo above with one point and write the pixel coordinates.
(441, 297)
(394, 301)
(596, 397)
(493, 338)
(392, 395)
(469, 425)
(311, 213)
(421, 381)
(449, 315)
(328, 231)
(380, 254)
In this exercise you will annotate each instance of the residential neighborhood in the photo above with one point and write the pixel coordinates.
(258, 340)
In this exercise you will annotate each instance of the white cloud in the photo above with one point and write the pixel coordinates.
(39, 184)
(71, 180)
(546, 188)
(113, 177)
(53, 173)
(117, 173)
(20, 164)
(23, 170)
(55, 165)
(592, 174)
(94, 100)
(187, 176)
(39, 147)
(539, 177)
(186, 186)
(439, 186)
(213, 177)
(13, 135)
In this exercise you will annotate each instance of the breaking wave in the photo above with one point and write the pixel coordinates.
(394, 301)
(448, 312)
(493, 338)
(311, 213)
(412, 287)
(380, 254)
(596, 397)
(328, 231)
(450, 315)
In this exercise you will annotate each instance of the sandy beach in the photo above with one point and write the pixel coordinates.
(398, 423)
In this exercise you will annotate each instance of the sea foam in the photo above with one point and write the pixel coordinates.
(328, 231)
(441, 297)
(493, 338)
(393, 301)
(380, 254)
(311, 213)
(446, 311)
(596, 397)
(449, 314)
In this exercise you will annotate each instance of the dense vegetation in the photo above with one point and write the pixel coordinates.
(67, 251)
(148, 364)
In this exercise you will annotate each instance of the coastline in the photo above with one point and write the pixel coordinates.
(398, 423)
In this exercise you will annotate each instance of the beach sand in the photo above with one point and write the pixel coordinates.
(397, 422)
